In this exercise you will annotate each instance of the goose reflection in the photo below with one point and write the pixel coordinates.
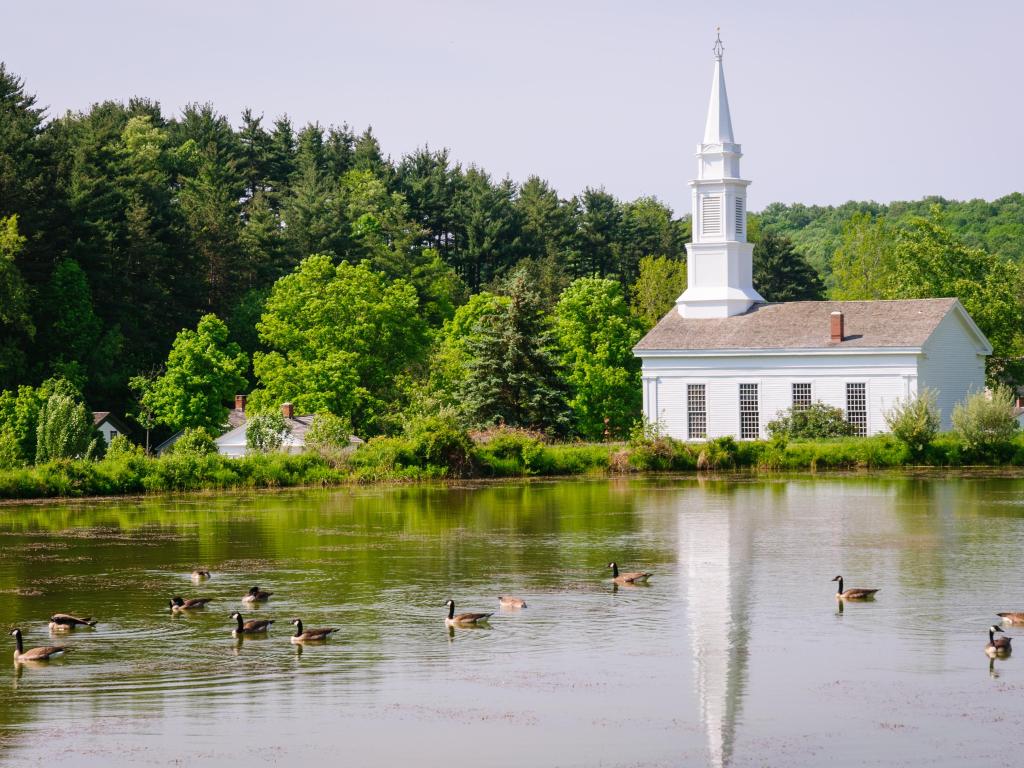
(715, 554)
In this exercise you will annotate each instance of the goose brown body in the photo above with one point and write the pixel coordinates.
(178, 604)
(64, 622)
(506, 601)
(854, 593)
(256, 595)
(997, 646)
(464, 619)
(43, 653)
(310, 635)
(1012, 617)
(632, 577)
(251, 627)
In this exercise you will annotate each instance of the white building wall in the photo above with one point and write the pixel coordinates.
(951, 365)
(886, 376)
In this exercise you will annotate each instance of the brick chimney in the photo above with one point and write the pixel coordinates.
(287, 410)
(836, 327)
(240, 403)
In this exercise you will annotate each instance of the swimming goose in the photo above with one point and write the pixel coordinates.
(464, 619)
(997, 646)
(634, 577)
(200, 575)
(43, 653)
(853, 594)
(179, 604)
(255, 595)
(64, 622)
(251, 627)
(511, 602)
(309, 635)
(1012, 617)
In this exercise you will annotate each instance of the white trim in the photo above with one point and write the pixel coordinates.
(804, 351)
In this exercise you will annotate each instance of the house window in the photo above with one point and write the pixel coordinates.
(750, 424)
(113, 434)
(696, 412)
(740, 217)
(857, 407)
(801, 395)
(711, 216)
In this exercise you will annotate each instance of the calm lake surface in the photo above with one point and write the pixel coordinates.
(736, 654)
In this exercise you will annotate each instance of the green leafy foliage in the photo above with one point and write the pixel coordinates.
(266, 432)
(817, 420)
(194, 441)
(595, 334)
(660, 282)
(985, 423)
(65, 430)
(204, 370)
(915, 422)
(329, 434)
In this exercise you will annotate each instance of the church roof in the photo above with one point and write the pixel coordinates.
(804, 325)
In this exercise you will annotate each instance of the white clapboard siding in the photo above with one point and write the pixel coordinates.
(951, 365)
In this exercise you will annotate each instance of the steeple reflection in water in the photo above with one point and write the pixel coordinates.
(715, 552)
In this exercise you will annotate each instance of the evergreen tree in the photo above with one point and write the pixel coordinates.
(782, 274)
(512, 375)
(599, 236)
(16, 327)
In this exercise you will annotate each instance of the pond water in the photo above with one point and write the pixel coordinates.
(735, 654)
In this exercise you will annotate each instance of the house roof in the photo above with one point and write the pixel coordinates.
(298, 426)
(98, 417)
(806, 325)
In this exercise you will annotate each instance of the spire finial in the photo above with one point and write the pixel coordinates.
(718, 44)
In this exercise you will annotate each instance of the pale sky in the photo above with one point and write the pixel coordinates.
(831, 101)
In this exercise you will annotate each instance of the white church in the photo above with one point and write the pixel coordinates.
(725, 362)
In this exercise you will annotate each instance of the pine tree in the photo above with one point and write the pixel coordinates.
(513, 376)
(782, 274)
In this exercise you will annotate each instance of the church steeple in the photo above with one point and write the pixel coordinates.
(719, 262)
(718, 129)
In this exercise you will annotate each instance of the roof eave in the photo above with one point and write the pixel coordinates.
(777, 352)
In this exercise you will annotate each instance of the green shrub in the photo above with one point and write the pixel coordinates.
(121, 447)
(194, 441)
(441, 442)
(915, 422)
(985, 424)
(65, 430)
(651, 449)
(265, 432)
(10, 450)
(720, 453)
(329, 435)
(814, 421)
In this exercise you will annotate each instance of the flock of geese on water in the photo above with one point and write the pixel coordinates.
(63, 622)
(995, 647)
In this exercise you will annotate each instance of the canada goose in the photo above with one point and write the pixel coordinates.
(64, 622)
(256, 595)
(853, 594)
(34, 654)
(997, 646)
(1012, 617)
(200, 575)
(309, 635)
(635, 577)
(251, 627)
(464, 619)
(178, 604)
(511, 602)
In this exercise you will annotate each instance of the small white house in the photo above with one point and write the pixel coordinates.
(109, 425)
(233, 442)
(725, 362)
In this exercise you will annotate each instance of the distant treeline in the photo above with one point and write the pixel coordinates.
(160, 264)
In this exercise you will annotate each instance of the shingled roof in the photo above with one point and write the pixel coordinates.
(803, 325)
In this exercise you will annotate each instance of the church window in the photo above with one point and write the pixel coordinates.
(711, 216)
(750, 423)
(696, 412)
(740, 217)
(801, 395)
(857, 407)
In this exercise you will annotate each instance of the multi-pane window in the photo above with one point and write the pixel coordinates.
(801, 395)
(696, 412)
(857, 407)
(750, 424)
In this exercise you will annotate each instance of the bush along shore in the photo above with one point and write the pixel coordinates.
(500, 453)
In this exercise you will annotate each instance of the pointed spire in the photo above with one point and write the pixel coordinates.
(718, 129)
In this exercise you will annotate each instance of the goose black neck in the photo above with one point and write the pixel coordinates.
(17, 643)
(991, 637)
(615, 571)
(238, 618)
(839, 589)
(298, 628)
(451, 609)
